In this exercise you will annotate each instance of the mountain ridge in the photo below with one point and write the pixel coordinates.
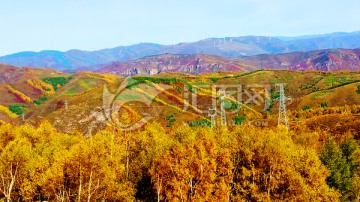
(231, 47)
(320, 60)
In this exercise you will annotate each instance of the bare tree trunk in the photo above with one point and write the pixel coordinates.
(191, 187)
(89, 188)
(180, 189)
(269, 183)
(127, 159)
(60, 196)
(8, 189)
(80, 178)
(158, 188)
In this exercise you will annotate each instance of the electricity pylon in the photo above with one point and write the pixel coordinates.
(282, 119)
(222, 95)
(212, 114)
(90, 131)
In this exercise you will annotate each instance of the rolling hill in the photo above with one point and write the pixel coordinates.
(77, 102)
(191, 64)
(321, 60)
(231, 47)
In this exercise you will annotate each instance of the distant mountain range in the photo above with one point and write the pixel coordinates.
(230, 47)
(320, 60)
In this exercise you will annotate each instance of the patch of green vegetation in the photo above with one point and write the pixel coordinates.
(84, 84)
(305, 108)
(126, 96)
(324, 104)
(230, 105)
(17, 108)
(171, 120)
(168, 80)
(288, 77)
(177, 88)
(329, 81)
(189, 87)
(358, 90)
(336, 81)
(274, 81)
(319, 93)
(274, 94)
(315, 89)
(214, 80)
(247, 73)
(55, 81)
(343, 84)
(202, 122)
(316, 81)
(40, 100)
(72, 90)
(239, 120)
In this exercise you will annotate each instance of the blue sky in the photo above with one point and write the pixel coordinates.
(34, 25)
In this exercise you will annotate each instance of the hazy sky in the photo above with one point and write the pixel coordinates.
(96, 24)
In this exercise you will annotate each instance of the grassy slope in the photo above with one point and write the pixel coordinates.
(84, 96)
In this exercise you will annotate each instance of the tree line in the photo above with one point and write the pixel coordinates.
(242, 163)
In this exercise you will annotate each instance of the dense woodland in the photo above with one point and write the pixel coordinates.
(182, 163)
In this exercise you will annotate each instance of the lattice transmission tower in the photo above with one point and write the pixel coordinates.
(222, 95)
(212, 113)
(66, 104)
(282, 119)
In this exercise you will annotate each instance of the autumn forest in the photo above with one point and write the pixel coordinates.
(238, 163)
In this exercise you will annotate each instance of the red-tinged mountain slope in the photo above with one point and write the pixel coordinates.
(323, 60)
(23, 86)
(10, 74)
(192, 64)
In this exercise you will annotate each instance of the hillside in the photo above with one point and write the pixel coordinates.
(23, 84)
(324, 60)
(231, 47)
(9, 73)
(78, 102)
(191, 64)
(320, 60)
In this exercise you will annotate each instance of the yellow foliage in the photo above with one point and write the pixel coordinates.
(243, 163)
(7, 112)
(45, 88)
(19, 94)
(108, 78)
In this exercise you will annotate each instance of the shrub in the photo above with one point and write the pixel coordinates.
(57, 81)
(214, 80)
(202, 122)
(239, 119)
(17, 108)
(306, 107)
(171, 120)
(40, 100)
